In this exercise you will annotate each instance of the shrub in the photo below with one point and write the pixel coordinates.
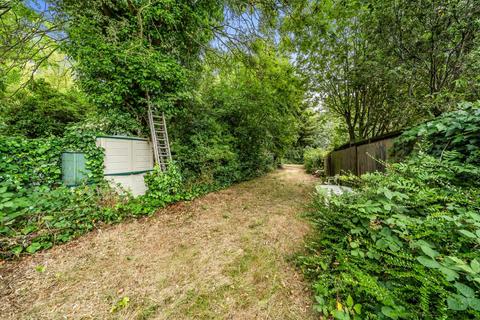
(41, 111)
(402, 246)
(294, 155)
(458, 130)
(163, 187)
(38, 218)
(314, 160)
(405, 244)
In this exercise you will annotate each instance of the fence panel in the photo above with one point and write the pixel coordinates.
(371, 156)
(342, 161)
(365, 156)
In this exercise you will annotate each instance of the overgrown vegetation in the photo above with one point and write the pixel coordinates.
(404, 244)
(228, 122)
(39, 217)
(314, 160)
(246, 85)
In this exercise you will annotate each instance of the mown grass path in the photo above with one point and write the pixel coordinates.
(222, 256)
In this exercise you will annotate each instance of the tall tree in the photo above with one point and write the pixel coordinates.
(348, 73)
(432, 40)
(259, 95)
(382, 65)
(29, 38)
(126, 50)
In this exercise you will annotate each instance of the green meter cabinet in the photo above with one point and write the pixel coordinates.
(74, 170)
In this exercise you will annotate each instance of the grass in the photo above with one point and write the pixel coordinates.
(220, 256)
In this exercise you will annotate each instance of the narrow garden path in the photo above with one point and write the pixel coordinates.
(222, 256)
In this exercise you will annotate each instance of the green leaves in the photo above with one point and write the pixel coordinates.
(464, 290)
(427, 262)
(167, 44)
(416, 225)
(457, 131)
(396, 312)
(429, 251)
(464, 299)
(120, 304)
(34, 247)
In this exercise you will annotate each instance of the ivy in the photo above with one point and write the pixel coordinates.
(37, 162)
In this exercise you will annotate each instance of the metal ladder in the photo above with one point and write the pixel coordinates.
(159, 134)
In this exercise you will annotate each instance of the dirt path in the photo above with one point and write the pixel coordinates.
(222, 256)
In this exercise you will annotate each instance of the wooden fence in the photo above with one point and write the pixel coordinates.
(361, 157)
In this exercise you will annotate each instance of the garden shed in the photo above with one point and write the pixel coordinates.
(127, 160)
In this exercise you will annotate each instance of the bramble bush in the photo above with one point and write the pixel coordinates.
(405, 243)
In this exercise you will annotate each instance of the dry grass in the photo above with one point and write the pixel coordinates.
(222, 256)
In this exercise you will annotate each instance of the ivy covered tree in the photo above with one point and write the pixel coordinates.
(126, 50)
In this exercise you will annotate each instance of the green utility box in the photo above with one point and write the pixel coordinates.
(74, 170)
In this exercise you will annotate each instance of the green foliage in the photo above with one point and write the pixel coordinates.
(126, 50)
(315, 130)
(380, 66)
(25, 162)
(314, 159)
(37, 162)
(203, 147)
(457, 130)
(42, 111)
(111, 122)
(404, 244)
(163, 188)
(257, 99)
(38, 218)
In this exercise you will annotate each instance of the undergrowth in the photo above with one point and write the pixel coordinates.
(405, 243)
(37, 218)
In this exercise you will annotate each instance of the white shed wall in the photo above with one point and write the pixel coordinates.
(127, 159)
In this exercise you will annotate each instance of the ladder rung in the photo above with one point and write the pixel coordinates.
(160, 136)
